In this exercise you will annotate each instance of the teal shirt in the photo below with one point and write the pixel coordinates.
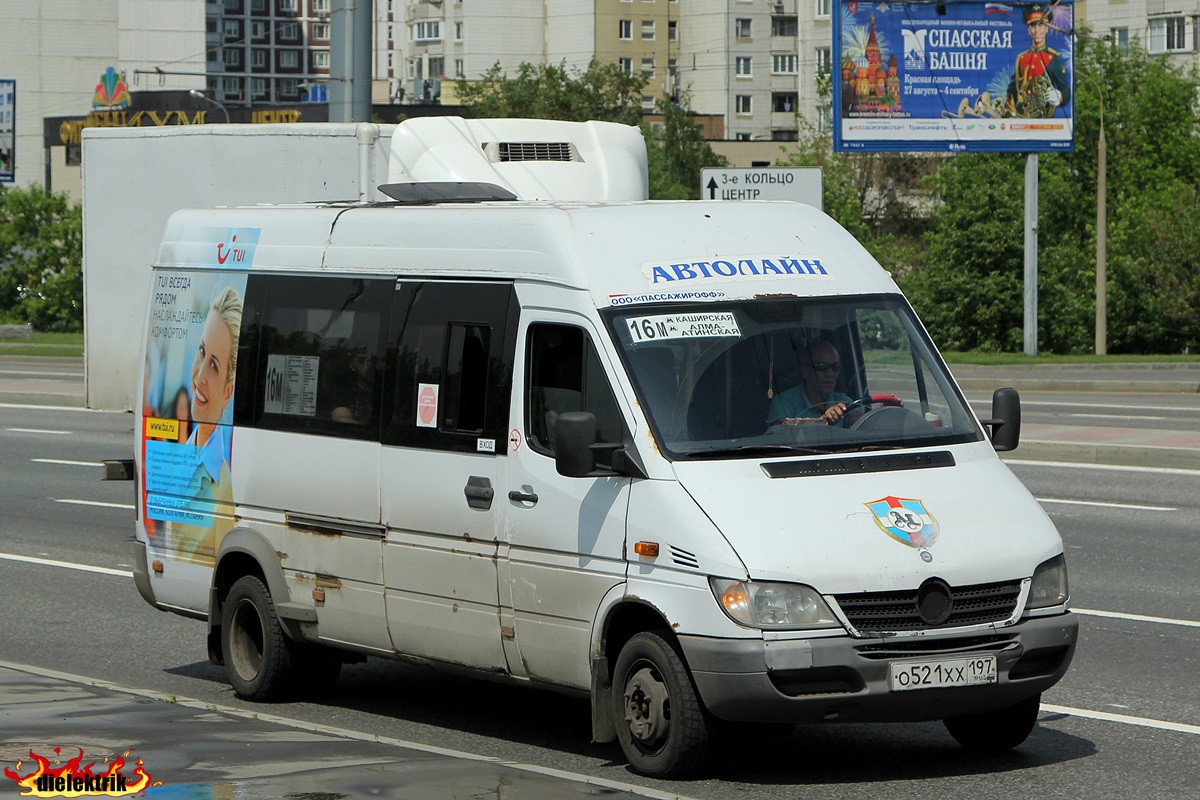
(794, 403)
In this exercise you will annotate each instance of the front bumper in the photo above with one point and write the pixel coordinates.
(846, 680)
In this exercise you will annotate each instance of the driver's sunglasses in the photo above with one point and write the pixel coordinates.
(826, 366)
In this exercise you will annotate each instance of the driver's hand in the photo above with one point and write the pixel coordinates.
(834, 414)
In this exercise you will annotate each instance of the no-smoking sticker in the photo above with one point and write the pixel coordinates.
(427, 405)
(514, 440)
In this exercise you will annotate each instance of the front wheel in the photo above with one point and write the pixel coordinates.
(661, 725)
(258, 656)
(996, 731)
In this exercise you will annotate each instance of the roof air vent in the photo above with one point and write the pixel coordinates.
(531, 151)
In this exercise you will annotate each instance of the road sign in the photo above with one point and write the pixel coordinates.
(316, 93)
(801, 184)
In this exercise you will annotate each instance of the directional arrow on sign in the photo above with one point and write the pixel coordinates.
(712, 188)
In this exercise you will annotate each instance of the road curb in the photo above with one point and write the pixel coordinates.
(1082, 386)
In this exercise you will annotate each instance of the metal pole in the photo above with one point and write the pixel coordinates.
(1101, 229)
(1031, 263)
(1102, 242)
(350, 48)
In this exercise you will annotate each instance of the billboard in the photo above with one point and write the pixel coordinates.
(8, 130)
(965, 76)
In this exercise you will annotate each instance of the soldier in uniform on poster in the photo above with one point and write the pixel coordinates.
(1039, 84)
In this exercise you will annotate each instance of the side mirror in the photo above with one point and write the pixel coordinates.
(1005, 423)
(574, 435)
(575, 449)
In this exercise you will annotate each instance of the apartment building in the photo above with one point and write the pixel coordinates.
(266, 51)
(754, 63)
(1163, 27)
(59, 52)
(450, 39)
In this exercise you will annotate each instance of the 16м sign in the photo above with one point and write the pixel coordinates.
(800, 184)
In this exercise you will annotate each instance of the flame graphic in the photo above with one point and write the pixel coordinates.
(81, 778)
(111, 91)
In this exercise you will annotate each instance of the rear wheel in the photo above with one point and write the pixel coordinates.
(996, 731)
(661, 724)
(258, 656)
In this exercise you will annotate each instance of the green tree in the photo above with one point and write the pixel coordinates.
(970, 281)
(677, 152)
(554, 91)
(675, 149)
(41, 258)
(878, 197)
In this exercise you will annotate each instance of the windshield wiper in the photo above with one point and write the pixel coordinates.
(751, 450)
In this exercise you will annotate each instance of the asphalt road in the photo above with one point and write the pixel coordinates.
(1124, 723)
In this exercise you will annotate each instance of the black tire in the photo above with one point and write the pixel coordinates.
(996, 731)
(258, 656)
(661, 724)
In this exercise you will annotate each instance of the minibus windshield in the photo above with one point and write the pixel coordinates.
(789, 376)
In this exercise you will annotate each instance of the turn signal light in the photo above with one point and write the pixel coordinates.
(646, 548)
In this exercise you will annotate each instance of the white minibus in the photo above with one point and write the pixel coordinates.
(697, 461)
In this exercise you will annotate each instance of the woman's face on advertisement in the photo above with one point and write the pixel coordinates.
(211, 384)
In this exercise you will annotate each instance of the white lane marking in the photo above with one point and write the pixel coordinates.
(1027, 403)
(38, 430)
(1105, 505)
(1195, 473)
(29, 374)
(128, 506)
(1124, 719)
(46, 562)
(66, 462)
(1188, 623)
(343, 733)
(27, 407)
(1115, 416)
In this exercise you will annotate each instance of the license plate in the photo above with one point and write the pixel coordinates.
(939, 674)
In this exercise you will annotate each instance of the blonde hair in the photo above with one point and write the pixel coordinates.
(228, 305)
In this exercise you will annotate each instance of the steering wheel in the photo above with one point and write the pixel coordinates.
(894, 418)
(862, 402)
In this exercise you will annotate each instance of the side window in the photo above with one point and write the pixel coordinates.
(319, 360)
(451, 373)
(565, 374)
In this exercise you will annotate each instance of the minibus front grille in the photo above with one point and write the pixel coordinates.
(929, 646)
(871, 612)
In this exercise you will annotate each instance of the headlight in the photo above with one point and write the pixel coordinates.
(1049, 587)
(772, 605)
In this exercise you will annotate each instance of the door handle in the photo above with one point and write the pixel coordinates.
(523, 497)
(479, 492)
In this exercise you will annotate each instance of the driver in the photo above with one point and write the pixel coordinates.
(814, 399)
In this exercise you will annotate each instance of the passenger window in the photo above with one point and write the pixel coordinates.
(466, 378)
(320, 354)
(565, 374)
(451, 372)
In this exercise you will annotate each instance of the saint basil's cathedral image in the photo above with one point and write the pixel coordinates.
(868, 88)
